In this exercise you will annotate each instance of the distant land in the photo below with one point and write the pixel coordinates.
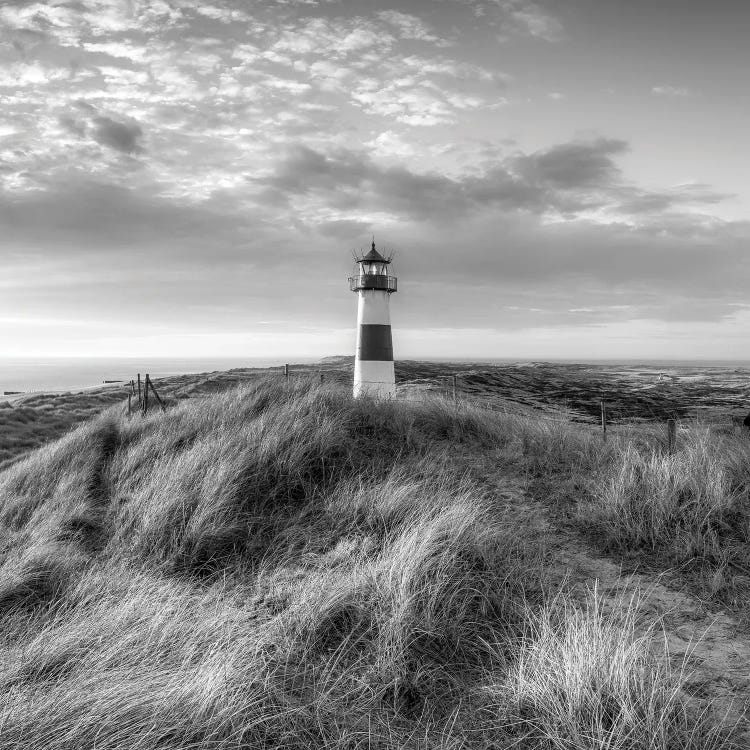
(632, 391)
(33, 374)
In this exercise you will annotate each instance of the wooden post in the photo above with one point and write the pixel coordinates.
(158, 398)
(140, 398)
(321, 376)
(145, 396)
(671, 435)
(286, 371)
(130, 396)
(604, 421)
(454, 378)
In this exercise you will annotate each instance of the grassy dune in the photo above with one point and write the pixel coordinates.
(280, 566)
(688, 511)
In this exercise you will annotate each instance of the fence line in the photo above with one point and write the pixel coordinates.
(450, 389)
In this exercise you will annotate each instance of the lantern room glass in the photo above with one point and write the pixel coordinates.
(374, 269)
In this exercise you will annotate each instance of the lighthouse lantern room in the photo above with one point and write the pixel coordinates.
(373, 365)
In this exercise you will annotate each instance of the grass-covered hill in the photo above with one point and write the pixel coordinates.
(280, 566)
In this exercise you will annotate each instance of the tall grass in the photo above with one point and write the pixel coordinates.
(284, 567)
(580, 680)
(690, 507)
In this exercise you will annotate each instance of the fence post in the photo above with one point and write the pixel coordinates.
(158, 397)
(140, 398)
(321, 376)
(130, 396)
(145, 396)
(286, 371)
(454, 378)
(604, 421)
(671, 435)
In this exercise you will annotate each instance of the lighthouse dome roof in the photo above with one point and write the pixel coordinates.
(373, 256)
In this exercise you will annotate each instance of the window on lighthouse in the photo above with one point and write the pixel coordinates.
(372, 269)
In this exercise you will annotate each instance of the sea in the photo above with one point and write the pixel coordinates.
(65, 374)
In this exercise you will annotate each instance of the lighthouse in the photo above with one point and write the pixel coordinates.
(373, 364)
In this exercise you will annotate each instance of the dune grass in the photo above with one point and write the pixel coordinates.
(40, 418)
(284, 567)
(588, 678)
(690, 509)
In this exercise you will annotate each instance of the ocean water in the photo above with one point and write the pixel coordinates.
(63, 374)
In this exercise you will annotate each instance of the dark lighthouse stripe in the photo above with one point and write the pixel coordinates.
(375, 343)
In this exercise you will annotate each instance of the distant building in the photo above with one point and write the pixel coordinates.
(373, 365)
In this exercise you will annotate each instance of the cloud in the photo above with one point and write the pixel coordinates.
(343, 229)
(122, 136)
(636, 201)
(391, 144)
(73, 125)
(671, 91)
(21, 75)
(410, 27)
(578, 164)
(94, 216)
(481, 238)
(643, 250)
(280, 137)
(517, 18)
(531, 19)
(570, 179)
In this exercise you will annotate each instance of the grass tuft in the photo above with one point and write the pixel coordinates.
(588, 679)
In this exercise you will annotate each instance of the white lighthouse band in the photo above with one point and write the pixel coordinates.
(374, 373)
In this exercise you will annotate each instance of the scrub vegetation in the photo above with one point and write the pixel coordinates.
(280, 566)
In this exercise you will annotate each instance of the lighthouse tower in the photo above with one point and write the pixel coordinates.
(373, 365)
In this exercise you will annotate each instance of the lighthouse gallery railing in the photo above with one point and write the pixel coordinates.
(373, 281)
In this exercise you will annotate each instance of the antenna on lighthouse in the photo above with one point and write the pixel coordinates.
(374, 373)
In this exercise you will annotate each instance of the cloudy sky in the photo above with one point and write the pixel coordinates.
(558, 179)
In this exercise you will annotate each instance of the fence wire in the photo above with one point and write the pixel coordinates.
(462, 389)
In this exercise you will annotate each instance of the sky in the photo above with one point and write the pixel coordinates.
(564, 179)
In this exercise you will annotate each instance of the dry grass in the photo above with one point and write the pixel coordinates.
(691, 508)
(284, 567)
(589, 679)
(35, 420)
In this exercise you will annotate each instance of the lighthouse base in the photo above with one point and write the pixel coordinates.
(374, 378)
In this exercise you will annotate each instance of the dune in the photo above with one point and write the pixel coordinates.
(281, 566)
